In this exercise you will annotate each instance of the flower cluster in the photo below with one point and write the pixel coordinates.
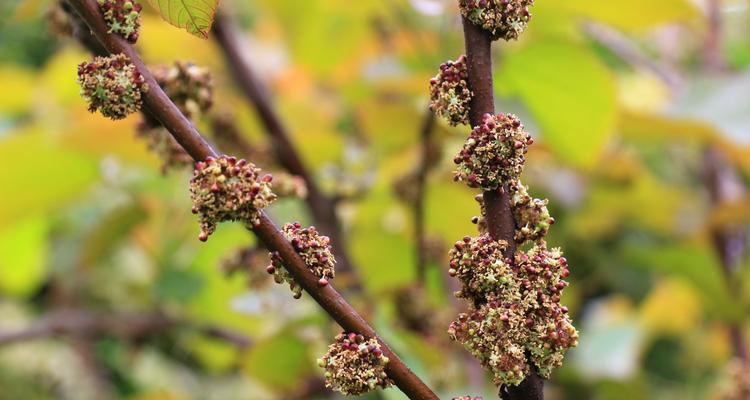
(123, 17)
(516, 318)
(227, 189)
(111, 85)
(288, 185)
(414, 310)
(314, 250)
(494, 152)
(354, 365)
(503, 19)
(250, 261)
(531, 215)
(189, 86)
(467, 398)
(449, 92)
(738, 385)
(164, 145)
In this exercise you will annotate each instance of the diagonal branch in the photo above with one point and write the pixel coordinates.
(161, 107)
(321, 207)
(500, 223)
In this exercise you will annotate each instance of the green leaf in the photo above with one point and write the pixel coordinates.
(23, 256)
(280, 362)
(195, 16)
(571, 94)
(634, 14)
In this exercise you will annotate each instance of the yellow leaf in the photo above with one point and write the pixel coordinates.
(658, 314)
(635, 14)
(23, 256)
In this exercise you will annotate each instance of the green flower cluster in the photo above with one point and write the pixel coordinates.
(123, 17)
(111, 85)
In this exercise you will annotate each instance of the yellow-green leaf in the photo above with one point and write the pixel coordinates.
(570, 92)
(634, 14)
(195, 16)
(23, 256)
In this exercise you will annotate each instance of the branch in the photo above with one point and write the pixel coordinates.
(321, 207)
(428, 126)
(157, 102)
(500, 222)
(712, 57)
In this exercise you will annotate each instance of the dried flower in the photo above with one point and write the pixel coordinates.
(531, 215)
(111, 85)
(123, 17)
(227, 189)
(189, 86)
(503, 19)
(449, 92)
(354, 365)
(315, 251)
(494, 152)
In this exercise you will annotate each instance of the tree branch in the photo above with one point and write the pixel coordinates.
(499, 218)
(159, 104)
(321, 207)
(428, 126)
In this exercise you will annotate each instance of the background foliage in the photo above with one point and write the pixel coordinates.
(89, 222)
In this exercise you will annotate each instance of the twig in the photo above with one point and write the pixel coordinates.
(159, 104)
(321, 207)
(428, 127)
(712, 58)
(724, 186)
(500, 222)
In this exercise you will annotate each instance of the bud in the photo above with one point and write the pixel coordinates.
(225, 189)
(111, 85)
(354, 365)
(123, 17)
(503, 19)
(449, 92)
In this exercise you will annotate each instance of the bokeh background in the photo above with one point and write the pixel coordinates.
(641, 111)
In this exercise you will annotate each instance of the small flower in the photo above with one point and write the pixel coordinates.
(189, 86)
(449, 92)
(531, 215)
(288, 185)
(414, 310)
(479, 264)
(111, 85)
(354, 365)
(736, 385)
(315, 251)
(227, 189)
(123, 17)
(494, 152)
(503, 19)
(164, 145)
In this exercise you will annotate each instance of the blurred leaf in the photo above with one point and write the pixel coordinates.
(635, 14)
(23, 256)
(177, 285)
(41, 180)
(280, 362)
(103, 238)
(18, 82)
(215, 355)
(195, 16)
(571, 94)
(657, 311)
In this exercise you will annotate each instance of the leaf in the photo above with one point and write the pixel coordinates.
(571, 94)
(280, 362)
(634, 14)
(195, 16)
(23, 256)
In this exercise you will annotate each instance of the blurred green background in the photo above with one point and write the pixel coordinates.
(623, 97)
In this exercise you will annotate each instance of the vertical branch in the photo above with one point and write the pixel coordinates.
(713, 59)
(724, 186)
(321, 207)
(500, 223)
(428, 125)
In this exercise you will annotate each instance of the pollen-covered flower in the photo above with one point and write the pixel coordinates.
(354, 365)
(494, 152)
(531, 215)
(123, 17)
(227, 189)
(479, 264)
(111, 85)
(503, 19)
(315, 251)
(449, 92)
(189, 86)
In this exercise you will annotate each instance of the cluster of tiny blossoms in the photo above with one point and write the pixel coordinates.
(354, 365)
(531, 215)
(315, 251)
(227, 189)
(189, 86)
(503, 19)
(111, 85)
(738, 385)
(516, 318)
(123, 17)
(494, 152)
(449, 92)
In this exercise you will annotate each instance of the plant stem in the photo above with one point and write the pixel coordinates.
(161, 107)
(321, 207)
(428, 126)
(499, 218)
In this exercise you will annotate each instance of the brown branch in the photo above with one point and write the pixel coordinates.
(428, 126)
(157, 102)
(321, 206)
(499, 218)
(724, 186)
(712, 57)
